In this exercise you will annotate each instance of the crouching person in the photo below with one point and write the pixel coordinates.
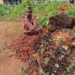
(30, 24)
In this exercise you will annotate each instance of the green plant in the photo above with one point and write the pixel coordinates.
(5, 9)
(71, 11)
(41, 10)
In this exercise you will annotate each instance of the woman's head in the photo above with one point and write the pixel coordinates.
(29, 10)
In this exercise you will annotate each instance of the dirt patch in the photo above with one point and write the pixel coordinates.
(8, 30)
(61, 21)
(9, 64)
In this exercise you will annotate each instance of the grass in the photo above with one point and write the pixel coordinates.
(71, 11)
(42, 10)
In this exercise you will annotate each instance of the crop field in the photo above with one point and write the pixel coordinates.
(20, 52)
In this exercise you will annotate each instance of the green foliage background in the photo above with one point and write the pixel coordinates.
(42, 10)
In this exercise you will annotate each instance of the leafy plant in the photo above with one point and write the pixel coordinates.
(41, 10)
(71, 11)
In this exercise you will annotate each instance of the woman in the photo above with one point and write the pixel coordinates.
(30, 23)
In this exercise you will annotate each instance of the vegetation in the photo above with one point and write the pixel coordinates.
(47, 9)
(5, 10)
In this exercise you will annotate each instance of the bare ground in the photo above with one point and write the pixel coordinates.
(9, 64)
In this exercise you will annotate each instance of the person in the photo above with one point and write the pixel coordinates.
(30, 22)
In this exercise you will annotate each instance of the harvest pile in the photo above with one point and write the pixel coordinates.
(62, 21)
(48, 56)
(24, 45)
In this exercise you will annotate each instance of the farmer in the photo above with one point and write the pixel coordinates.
(31, 25)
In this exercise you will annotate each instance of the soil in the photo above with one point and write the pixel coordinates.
(9, 64)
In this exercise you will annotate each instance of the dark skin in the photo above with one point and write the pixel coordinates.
(30, 22)
(29, 16)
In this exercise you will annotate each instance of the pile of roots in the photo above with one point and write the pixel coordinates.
(62, 21)
(46, 53)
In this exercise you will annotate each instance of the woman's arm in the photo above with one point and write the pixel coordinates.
(26, 24)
